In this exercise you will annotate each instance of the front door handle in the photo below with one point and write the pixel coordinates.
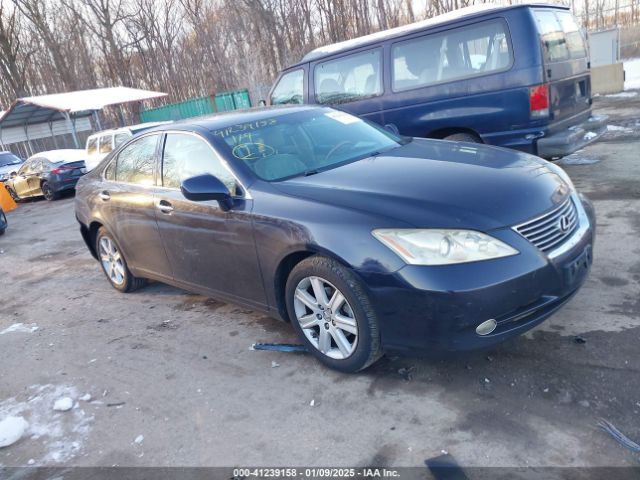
(104, 196)
(165, 207)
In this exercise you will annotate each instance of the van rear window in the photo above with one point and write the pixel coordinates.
(560, 35)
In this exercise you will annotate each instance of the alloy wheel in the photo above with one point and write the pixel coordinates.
(112, 261)
(326, 318)
(47, 192)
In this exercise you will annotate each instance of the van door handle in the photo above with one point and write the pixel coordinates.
(105, 196)
(165, 207)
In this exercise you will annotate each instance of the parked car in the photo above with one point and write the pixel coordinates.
(3, 222)
(515, 76)
(9, 163)
(47, 174)
(100, 144)
(366, 241)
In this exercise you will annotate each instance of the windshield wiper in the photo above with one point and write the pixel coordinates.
(308, 173)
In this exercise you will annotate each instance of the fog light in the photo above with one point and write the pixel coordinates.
(485, 328)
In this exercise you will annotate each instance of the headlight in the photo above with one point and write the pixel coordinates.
(562, 174)
(442, 247)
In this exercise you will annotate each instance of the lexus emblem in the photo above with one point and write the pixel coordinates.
(563, 223)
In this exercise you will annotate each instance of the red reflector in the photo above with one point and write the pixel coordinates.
(60, 169)
(539, 100)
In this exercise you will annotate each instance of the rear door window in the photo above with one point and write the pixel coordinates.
(575, 40)
(560, 35)
(290, 88)
(136, 161)
(350, 78)
(459, 53)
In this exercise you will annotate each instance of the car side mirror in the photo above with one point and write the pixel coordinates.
(207, 187)
(13, 174)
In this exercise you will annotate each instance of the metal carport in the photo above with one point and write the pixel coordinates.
(66, 108)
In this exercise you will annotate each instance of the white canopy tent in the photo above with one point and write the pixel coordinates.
(30, 114)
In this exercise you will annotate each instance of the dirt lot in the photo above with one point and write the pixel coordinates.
(173, 380)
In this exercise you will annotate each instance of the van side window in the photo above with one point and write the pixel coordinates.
(92, 145)
(105, 143)
(349, 78)
(459, 53)
(119, 139)
(552, 36)
(290, 88)
(137, 160)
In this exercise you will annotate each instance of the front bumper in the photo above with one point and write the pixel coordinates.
(437, 309)
(571, 139)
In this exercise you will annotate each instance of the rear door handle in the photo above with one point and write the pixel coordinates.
(165, 207)
(105, 196)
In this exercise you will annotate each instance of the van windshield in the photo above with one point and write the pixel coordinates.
(561, 37)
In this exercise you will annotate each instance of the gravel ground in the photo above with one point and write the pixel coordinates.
(173, 382)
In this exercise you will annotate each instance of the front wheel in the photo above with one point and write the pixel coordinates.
(114, 265)
(330, 310)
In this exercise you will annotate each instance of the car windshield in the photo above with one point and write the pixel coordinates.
(9, 159)
(304, 143)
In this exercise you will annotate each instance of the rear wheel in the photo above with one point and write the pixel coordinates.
(48, 192)
(114, 265)
(463, 137)
(330, 310)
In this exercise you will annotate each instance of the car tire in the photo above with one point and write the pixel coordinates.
(114, 264)
(352, 320)
(463, 137)
(48, 192)
(2, 231)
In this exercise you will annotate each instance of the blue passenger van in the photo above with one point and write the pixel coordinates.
(514, 76)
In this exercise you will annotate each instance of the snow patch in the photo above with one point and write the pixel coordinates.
(20, 327)
(60, 435)
(139, 439)
(622, 95)
(63, 404)
(11, 430)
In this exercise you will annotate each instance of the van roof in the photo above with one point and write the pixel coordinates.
(467, 12)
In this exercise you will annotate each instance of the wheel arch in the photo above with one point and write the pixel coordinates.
(445, 132)
(287, 264)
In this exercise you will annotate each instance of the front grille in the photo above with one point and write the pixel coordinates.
(551, 229)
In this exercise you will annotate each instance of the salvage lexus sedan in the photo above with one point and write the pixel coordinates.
(365, 241)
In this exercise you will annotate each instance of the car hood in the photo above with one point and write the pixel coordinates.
(439, 184)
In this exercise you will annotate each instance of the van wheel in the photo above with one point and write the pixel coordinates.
(463, 137)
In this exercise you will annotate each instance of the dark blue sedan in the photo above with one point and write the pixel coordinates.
(365, 241)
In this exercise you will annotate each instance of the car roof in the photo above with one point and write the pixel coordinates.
(373, 38)
(66, 154)
(235, 117)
